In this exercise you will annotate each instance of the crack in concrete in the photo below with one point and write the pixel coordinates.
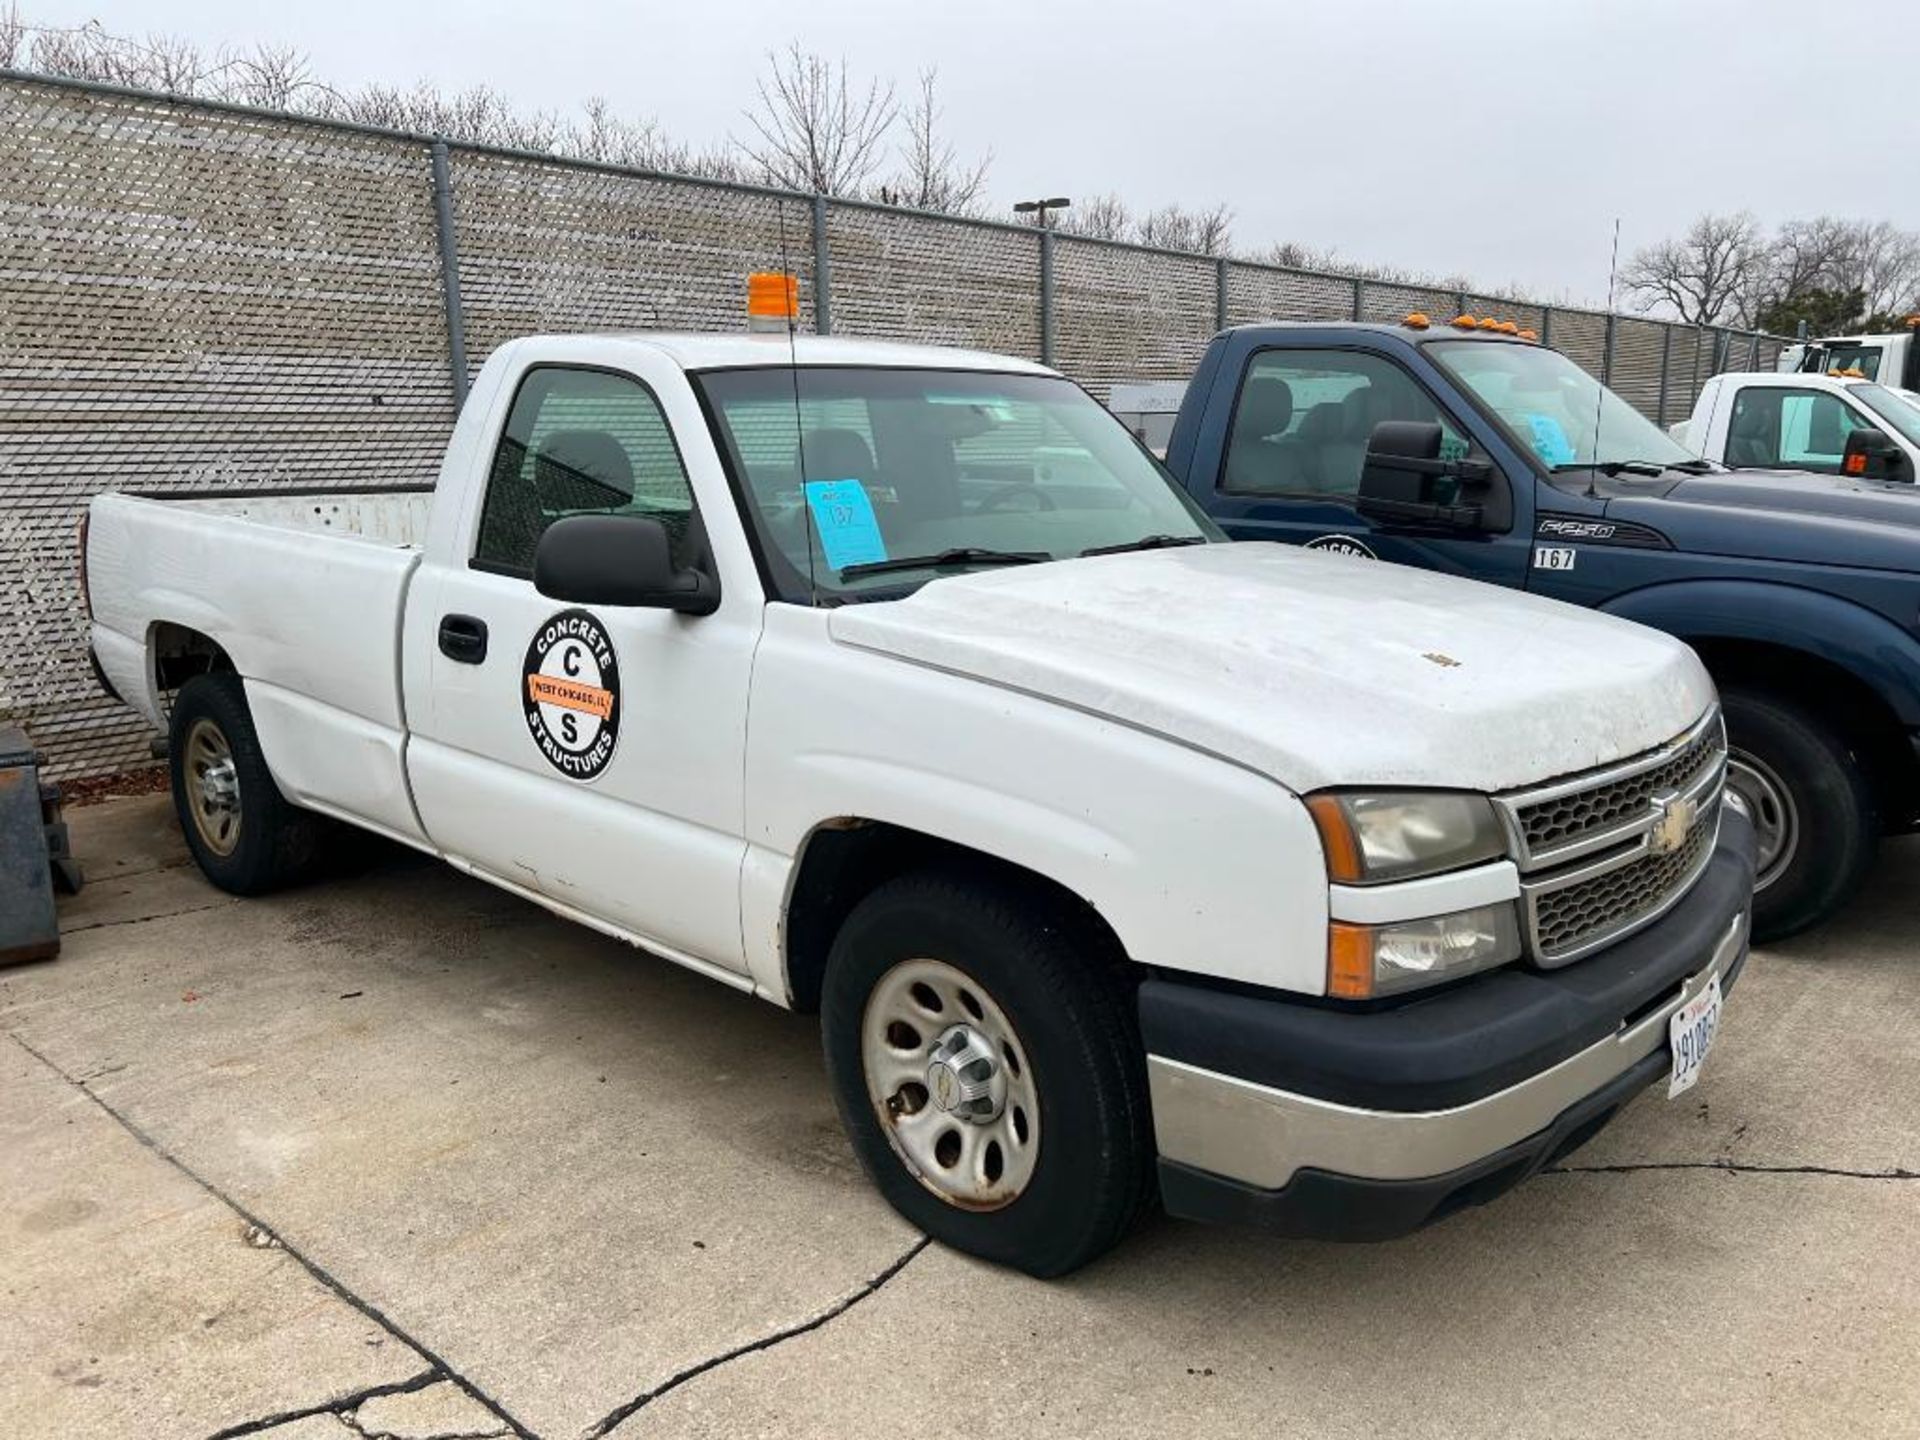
(143, 870)
(1733, 1167)
(330, 1407)
(871, 1286)
(144, 919)
(348, 1416)
(440, 1367)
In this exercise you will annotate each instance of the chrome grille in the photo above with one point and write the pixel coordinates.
(1585, 814)
(1575, 918)
(1549, 824)
(1598, 853)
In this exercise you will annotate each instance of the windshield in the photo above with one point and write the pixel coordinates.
(870, 469)
(1849, 358)
(1892, 406)
(1555, 410)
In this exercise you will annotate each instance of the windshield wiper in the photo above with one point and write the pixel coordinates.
(1145, 542)
(960, 555)
(1611, 468)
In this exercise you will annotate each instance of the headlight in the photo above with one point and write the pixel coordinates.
(1370, 836)
(1368, 960)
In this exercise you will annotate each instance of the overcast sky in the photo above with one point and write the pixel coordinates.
(1491, 138)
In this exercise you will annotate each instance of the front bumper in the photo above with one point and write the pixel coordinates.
(1365, 1125)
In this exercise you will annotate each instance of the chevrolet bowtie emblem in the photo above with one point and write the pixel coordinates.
(1675, 823)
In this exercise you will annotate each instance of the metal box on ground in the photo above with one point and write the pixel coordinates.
(28, 927)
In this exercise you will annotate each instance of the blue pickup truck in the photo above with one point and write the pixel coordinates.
(1470, 448)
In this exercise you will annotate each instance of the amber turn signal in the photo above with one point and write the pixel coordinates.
(1349, 961)
(1337, 839)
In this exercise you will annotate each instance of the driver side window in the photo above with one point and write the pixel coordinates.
(1790, 429)
(1304, 417)
(580, 442)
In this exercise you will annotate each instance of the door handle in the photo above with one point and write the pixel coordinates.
(463, 638)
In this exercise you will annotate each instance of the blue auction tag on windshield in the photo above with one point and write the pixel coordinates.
(843, 514)
(1550, 441)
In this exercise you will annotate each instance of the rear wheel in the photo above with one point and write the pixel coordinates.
(244, 834)
(988, 1069)
(1812, 805)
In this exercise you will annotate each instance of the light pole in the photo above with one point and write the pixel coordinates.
(1039, 208)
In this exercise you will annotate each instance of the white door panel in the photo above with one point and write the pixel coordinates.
(612, 783)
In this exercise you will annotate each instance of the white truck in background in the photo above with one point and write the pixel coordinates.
(1892, 359)
(1825, 424)
(897, 683)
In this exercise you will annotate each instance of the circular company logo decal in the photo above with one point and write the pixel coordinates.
(572, 694)
(1341, 545)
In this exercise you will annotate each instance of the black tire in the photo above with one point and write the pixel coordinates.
(1833, 824)
(1057, 977)
(275, 842)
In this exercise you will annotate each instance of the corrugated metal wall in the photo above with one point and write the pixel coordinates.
(201, 297)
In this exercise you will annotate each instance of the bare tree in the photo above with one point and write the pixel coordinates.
(930, 177)
(273, 78)
(1887, 268)
(1703, 275)
(1294, 256)
(1098, 217)
(813, 130)
(1205, 232)
(13, 39)
(1810, 254)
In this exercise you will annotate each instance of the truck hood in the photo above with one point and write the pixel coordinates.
(1312, 668)
(1785, 515)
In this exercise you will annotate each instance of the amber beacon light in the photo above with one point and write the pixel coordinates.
(773, 300)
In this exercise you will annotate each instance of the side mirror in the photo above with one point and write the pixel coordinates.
(1404, 481)
(1875, 455)
(618, 560)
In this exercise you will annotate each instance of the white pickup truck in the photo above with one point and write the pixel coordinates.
(900, 683)
(1824, 424)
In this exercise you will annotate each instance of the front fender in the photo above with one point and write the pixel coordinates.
(1868, 646)
(1197, 864)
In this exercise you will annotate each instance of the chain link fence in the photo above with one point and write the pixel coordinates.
(199, 296)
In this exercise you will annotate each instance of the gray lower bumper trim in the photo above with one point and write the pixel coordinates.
(1261, 1136)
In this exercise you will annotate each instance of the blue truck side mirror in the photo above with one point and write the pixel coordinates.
(1405, 482)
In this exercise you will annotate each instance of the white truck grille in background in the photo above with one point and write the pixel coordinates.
(1605, 853)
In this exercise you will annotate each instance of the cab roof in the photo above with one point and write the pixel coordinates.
(1435, 330)
(767, 349)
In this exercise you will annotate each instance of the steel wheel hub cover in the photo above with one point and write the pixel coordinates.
(950, 1083)
(964, 1077)
(213, 787)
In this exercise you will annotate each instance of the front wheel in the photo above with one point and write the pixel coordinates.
(1811, 802)
(988, 1069)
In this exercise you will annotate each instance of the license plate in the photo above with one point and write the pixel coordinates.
(1690, 1033)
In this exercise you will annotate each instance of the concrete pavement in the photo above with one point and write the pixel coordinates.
(444, 1165)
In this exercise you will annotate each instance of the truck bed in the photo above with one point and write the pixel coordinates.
(303, 592)
(391, 517)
